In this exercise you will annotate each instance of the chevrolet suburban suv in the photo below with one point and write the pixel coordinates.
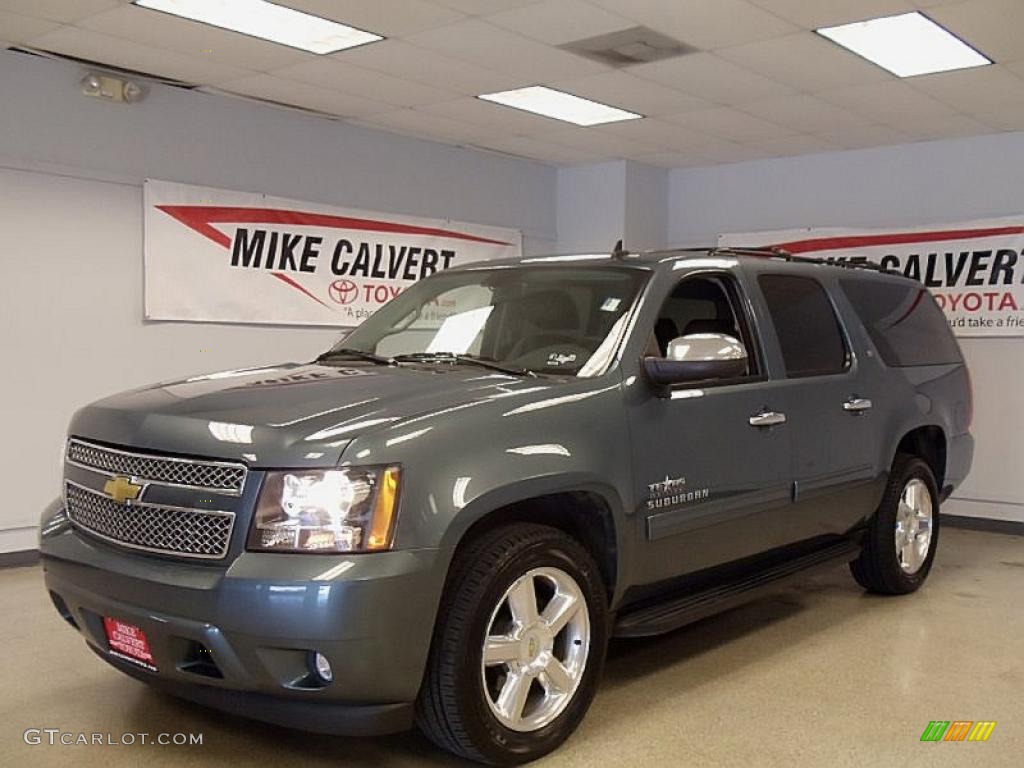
(443, 519)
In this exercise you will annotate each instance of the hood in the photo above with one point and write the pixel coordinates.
(290, 415)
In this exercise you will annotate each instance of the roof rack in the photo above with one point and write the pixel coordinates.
(852, 262)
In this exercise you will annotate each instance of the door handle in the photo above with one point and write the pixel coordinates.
(857, 405)
(767, 419)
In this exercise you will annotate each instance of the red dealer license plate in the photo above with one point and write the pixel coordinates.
(128, 642)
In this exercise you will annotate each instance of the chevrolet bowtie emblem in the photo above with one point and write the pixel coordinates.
(121, 489)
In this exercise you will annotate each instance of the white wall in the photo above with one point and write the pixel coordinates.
(71, 171)
(928, 183)
(602, 203)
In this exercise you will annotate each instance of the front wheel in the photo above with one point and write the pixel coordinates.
(900, 543)
(518, 649)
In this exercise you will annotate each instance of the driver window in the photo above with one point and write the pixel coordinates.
(699, 305)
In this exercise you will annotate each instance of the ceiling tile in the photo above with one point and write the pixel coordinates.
(15, 28)
(523, 146)
(495, 48)
(1009, 117)
(383, 17)
(401, 59)
(736, 153)
(950, 127)
(803, 113)
(799, 144)
(497, 117)
(479, 7)
(731, 124)
(991, 26)
(200, 41)
(341, 76)
(710, 77)
(705, 24)
(673, 159)
(813, 14)
(560, 21)
(606, 144)
(889, 102)
(423, 125)
(625, 91)
(66, 11)
(862, 136)
(975, 90)
(113, 51)
(307, 96)
(806, 61)
(663, 135)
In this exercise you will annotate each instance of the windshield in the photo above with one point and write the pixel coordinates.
(540, 319)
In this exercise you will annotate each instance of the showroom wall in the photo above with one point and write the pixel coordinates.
(601, 203)
(917, 184)
(71, 172)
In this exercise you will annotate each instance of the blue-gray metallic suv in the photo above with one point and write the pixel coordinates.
(443, 519)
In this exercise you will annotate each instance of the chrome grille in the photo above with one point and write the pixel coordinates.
(152, 527)
(220, 476)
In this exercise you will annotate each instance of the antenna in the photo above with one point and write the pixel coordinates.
(618, 252)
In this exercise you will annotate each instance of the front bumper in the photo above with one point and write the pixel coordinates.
(239, 638)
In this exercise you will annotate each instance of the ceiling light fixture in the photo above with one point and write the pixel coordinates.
(267, 21)
(907, 45)
(559, 105)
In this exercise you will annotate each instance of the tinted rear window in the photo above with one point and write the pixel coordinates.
(806, 324)
(904, 322)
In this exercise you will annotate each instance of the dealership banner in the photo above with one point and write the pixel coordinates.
(974, 269)
(220, 256)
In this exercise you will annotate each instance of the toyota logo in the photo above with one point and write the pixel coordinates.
(343, 291)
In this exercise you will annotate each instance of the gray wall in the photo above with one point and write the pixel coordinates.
(600, 204)
(917, 184)
(71, 172)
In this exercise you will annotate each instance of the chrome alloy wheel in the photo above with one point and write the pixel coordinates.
(535, 649)
(913, 526)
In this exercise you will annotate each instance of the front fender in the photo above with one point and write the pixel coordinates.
(460, 465)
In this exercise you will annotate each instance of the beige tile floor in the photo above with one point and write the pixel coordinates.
(817, 675)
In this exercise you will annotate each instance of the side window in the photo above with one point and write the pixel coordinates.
(702, 305)
(904, 322)
(806, 324)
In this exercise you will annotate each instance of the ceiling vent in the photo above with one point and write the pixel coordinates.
(637, 45)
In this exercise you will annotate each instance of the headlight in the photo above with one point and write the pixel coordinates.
(326, 510)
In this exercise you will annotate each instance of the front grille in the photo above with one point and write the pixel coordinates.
(220, 476)
(172, 530)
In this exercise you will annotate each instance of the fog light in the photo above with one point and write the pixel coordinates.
(322, 667)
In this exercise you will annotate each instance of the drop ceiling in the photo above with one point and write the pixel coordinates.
(760, 83)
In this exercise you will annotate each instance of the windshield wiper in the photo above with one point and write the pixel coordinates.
(357, 353)
(454, 358)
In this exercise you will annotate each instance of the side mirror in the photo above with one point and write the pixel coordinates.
(698, 357)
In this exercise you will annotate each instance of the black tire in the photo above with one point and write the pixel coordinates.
(878, 569)
(452, 710)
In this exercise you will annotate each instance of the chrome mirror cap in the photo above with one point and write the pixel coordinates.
(705, 348)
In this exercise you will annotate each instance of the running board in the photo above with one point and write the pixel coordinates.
(675, 612)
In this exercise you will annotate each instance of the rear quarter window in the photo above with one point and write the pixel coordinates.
(809, 334)
(904, 322)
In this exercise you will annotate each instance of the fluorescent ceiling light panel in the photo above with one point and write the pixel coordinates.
(906, 45)
(267, 21)
(559, 105)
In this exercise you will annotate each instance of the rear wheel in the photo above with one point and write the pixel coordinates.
(900, 543)
(518, 649)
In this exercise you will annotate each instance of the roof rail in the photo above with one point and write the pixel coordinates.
(852, 262)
